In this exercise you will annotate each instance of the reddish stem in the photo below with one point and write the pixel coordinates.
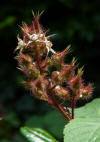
(73, 103)
(64, 112)
(58, 106)
(38, 57)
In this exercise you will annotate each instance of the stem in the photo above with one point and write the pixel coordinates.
(58, 106)
(64, 112)
(73, 103)
(38, 57)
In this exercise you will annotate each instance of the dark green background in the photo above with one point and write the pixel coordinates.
(74, 22)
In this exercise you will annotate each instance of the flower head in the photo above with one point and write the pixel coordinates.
(46, 74)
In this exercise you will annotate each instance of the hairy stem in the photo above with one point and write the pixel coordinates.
(64, 112)
(58, 106)
(73, 103)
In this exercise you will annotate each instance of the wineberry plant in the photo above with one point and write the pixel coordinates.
(51, 79)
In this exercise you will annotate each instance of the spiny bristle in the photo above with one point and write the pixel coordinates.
(68, 48)
(81, 70)
(74, 60)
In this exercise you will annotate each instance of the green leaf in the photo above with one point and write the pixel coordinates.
(82, 130)
(91, 109)
(35, 121)
(36, 135)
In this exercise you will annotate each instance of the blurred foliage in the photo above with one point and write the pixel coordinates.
(53, 122)
(36, 134)
(74, 22)
(7, 22)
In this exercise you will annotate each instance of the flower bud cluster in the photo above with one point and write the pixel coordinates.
(45, 68)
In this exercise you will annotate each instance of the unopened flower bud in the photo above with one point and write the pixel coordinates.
(62, 92)
(76, 83)
(67, 72)
(24, 60)
(55, 76)
(86, 91)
